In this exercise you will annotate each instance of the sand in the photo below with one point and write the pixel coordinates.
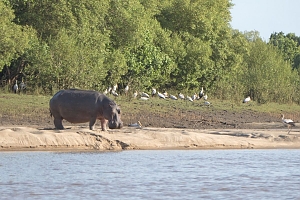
(80, 138)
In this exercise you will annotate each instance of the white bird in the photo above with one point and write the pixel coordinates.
(288, 122)
(144, 94)
(181, 96)
(201, 93)
(205, 97)
(109, 90)
(144, 98)
(126, 89)
(160, 95)
(114, 93)
(22, 86)
(173, 97)
(105, 92)
(189, 98)
(137, 125)
(135, 94)
(194, 97)
(153, 92)
(115, 87)
(16, 88)
(166, 94)
(206, 103)
(246, 100)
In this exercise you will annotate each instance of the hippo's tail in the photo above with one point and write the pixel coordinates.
(50, 113)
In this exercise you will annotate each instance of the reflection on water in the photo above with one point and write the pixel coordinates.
(191, 174)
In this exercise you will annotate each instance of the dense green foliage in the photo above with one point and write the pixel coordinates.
(289, 45)
(179, 45)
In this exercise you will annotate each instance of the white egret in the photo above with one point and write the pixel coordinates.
(246, 100)
(288, 122)
(205, 97)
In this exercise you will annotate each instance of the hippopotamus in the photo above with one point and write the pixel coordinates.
(79, 106)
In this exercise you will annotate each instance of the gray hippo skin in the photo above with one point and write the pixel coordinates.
(79, 106)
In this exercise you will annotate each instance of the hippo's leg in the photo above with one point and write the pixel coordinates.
(103, 124)
(92, 123)
(58, 123)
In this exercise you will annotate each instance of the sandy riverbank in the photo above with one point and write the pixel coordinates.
(18, 138)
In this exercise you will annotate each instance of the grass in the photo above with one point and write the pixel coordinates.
(159, 105)
(15, 105)
(22, 103)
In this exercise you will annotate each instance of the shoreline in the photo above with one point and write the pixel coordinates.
(80, 138)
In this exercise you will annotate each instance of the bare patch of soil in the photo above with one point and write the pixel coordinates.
(208, 119)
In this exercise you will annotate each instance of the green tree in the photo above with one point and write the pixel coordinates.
(14, 38)
(127, 22)
(139, 37)
(148, 66)
(73, 55)
(230, 82)
(192, 56)
(206, 22)
(115, 68)
(288, 45)
(46, 17)
(268, 77)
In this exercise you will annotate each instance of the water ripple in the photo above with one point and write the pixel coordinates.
(210, 174)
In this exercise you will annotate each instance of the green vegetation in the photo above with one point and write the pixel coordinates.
(173, 45)
(23, 106)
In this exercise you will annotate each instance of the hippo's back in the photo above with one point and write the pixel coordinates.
(76, 106)
(71, 96)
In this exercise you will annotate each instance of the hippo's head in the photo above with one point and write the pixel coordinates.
(112, 113)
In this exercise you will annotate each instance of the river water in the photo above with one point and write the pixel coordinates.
(155, 174)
